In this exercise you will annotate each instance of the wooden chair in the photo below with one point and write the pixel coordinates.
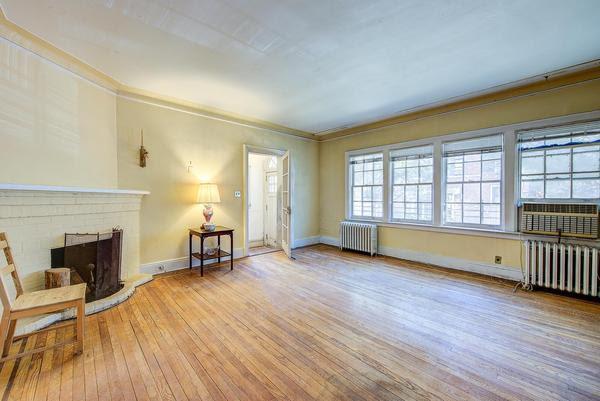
(34, 304)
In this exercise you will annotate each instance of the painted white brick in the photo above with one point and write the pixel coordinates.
(35, 222)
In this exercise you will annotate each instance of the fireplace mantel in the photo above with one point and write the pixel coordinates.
(36, 218)
(51, 188)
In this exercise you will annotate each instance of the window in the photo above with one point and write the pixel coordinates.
(272, 183)
(366, 185)
(473, 181)
(412, 184)
(560, 162)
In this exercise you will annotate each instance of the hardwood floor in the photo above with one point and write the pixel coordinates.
(327, 326)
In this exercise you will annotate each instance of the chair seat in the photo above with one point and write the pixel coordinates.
(36, 299)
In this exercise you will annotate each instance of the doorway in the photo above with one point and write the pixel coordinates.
(263, 203)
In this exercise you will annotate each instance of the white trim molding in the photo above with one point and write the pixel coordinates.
(169, 265)
(306, 241)
(51, 188)
(500, 271)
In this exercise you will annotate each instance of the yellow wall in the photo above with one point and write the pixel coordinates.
(55, 128)
(216, 150)
(567, 100)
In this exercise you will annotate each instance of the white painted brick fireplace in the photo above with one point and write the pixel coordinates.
(35, 219)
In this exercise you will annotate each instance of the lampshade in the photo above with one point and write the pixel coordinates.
(208, 193)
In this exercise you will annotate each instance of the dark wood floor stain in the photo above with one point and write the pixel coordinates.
(326, 326)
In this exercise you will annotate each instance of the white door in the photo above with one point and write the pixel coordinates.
(286, 209)
(271, 208)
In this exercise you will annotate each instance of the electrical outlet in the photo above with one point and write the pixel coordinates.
(498, 260)
(161, 268)
(237, 194)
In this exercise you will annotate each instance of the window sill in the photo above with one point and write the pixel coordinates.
(447, 230)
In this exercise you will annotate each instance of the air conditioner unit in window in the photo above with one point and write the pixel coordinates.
(579, 220)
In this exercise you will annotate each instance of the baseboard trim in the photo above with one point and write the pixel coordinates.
(169, 265)
(505, 272)
(299, 243)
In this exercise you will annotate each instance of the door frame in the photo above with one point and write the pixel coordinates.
(258, 150)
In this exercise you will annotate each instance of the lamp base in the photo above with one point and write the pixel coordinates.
(208, 226)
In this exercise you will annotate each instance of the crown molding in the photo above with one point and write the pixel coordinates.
(36, 45)
(28, 41)
(208, 112)
(550, 81)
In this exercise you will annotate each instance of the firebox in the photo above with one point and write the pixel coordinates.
(94, 259)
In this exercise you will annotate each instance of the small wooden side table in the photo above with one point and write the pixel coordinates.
(203, 234)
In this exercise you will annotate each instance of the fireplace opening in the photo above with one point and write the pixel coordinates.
(94, 259)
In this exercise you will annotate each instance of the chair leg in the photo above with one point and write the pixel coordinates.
(9, 338)
(80, 322)
(4, 328)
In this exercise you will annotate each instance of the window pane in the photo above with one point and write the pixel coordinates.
(586, 189)
(367, 209)
(368, 178)
(589, 161)
(357, 208)
(558, 189)
(358, 178)
(378, 177)
(454, 193)
(532, 165)
(491, 215)
(398, 194)
(473, 171)
(378, 194)
(357, 194)
(399, 176)
(558, 163)
(454, 172)
(411, 211)
(411, 193)
(454, 213)
(425, 211)
(377, 209)
(471, 193)
(491, 170)
(426, 174)
(471, 213)
(490, 192)
(412, 175)
(532, 189)
(398, 210)
(424, 193)
(367, 194)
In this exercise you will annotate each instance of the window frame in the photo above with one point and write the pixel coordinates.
(444, 172)
(390, 200)
(350, 186)
(519, 178)
(510, 182)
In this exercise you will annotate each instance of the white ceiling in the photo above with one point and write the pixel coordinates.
(317, 65)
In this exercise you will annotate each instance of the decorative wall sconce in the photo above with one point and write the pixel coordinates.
(143, 153)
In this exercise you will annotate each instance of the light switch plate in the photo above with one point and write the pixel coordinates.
(237, 194)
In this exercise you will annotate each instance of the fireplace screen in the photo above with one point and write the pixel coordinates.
(94, 259)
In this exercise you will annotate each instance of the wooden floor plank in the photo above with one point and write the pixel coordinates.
(328, 325)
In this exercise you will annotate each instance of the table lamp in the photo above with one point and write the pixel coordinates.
(207, 195)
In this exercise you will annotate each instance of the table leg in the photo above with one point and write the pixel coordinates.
(231, 257)
(201, 256)
(190, 251)
(219, 248)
